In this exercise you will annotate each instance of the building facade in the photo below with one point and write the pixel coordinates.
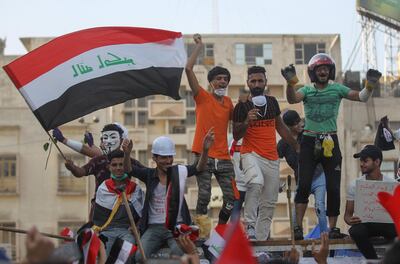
(36, 189)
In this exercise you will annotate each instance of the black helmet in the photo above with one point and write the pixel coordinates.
(291, 118)
(318, 60)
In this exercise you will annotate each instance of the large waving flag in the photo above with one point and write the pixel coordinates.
(391, 204)
(87, 70)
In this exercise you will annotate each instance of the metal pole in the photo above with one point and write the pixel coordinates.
(289, 194)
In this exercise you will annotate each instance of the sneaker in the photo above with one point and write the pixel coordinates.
(251, 232)
(298, 233)
(334, 233)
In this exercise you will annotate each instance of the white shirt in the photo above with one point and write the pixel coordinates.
(157, 205)
(351, 190)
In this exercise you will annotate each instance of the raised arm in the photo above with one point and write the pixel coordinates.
(89, 150)
(289, 73)
(193, 82)
(75, 170)
(372, 83)
(207, 143)
(127, 146)
(285, 134)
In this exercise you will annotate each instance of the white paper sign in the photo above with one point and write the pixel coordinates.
(366, 205)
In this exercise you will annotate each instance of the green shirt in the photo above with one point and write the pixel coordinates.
(321, 107)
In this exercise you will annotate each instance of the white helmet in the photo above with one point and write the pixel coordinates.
(163, 146)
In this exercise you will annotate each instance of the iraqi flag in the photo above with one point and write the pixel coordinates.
(120, 252)
(81, 72)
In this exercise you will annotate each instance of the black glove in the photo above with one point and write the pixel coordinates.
(289, 73)
(373, 77)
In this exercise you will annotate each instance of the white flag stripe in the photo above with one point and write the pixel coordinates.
(124, 253)
(47, 87)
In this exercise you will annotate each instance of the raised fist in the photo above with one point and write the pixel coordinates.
(289, 73)
(57, 134)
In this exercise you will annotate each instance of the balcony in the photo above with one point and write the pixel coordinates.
(167, 109)
(139, 137)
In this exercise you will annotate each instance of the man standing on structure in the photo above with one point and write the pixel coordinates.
(320, 143)
(213, 109)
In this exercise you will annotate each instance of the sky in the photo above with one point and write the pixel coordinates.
(49, 18)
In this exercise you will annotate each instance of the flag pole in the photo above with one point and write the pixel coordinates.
(133, 226)
(21, 231)
(289, 194)
(55, 143)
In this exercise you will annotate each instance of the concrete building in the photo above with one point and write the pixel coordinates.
(33, 193)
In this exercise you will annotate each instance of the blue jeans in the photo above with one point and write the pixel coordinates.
(115, 232)
(318, 188)
(153, 239)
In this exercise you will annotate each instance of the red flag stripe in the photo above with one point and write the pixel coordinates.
(61, 49)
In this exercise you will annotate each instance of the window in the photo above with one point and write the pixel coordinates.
(67, 183)
(206, 55)
(129, 118)
(304, 51)
(8, 174)
(10, 241)
(253, 54)
(188, 96)
(142, 118)
(129, 104)
(388, 168)
(142, 102)
(190, 118)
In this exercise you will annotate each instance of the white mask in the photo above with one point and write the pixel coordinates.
(260, 100)
(220, 91)
(111, 140)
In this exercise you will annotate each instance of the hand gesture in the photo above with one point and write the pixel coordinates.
(321, 256)
(293, 256)
(252, 114)
(88, 138)
(208, 139)
(69, 164)
(58, 135)
(373, 77)
(354, 220)
(186, 244)
(38, 247)
(127, 146)
(197, 39)
(289, 73)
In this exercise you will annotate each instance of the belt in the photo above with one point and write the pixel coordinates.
(320, 133)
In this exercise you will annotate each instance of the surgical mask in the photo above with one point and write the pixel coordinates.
(220, 92)
(256, 91)
(111, 140)
(119, 178)
(260, 100)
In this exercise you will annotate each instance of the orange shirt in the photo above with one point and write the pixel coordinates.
(260, 135)
(212, 113)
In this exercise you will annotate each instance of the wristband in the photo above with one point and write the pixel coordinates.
(75, 145)
(364, 94)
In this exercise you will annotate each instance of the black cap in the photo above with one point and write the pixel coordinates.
(291, 118)
(369, 151)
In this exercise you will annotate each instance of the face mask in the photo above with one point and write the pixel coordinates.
(220, 91)
(260, 100)
(119, 178)
(256, 91)
(110, 140)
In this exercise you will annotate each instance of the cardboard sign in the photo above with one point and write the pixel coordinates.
(366, 205)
